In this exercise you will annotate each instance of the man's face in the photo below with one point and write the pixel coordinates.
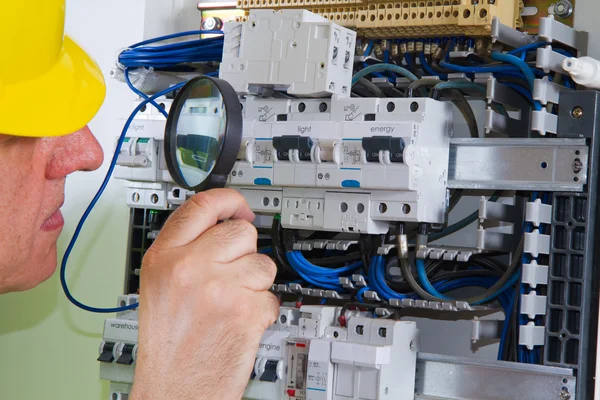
(32, 183)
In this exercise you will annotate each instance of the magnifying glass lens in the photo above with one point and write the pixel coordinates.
(202, 133)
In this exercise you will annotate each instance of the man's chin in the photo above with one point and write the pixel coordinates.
(35, 273)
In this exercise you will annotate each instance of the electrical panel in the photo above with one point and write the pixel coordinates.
(424, 175)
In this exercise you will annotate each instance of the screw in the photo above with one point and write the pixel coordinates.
(479, 45)
(213, 23)
(577, 112)
(577, 166)
(411, 346)
(563, 9)
(565, 395)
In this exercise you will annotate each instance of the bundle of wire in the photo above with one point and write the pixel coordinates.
(524, 354)
(167, 56)
(321, 277)
(505, 297)
(511, 68)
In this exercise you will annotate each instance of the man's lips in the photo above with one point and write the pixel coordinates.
(55, 222)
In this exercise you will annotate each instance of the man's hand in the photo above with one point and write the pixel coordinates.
(204, 302)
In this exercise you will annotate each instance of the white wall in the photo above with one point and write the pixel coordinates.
(586, 19)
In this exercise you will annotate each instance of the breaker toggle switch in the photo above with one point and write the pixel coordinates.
(373, 147)
(270, 372)
(106, 352)
(285, 145)
(126, 357)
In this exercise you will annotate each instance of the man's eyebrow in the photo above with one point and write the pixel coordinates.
(7, 138)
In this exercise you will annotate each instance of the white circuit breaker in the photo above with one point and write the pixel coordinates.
(141, 163)
(118, 349)
(305, 355)
(291, 50)
(345, 164)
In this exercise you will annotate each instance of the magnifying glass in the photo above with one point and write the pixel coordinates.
(203, 134)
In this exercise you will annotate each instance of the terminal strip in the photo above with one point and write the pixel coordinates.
(381, 19)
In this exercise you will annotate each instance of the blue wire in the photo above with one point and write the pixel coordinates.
(168, 55)
(326, 278)
(369, 48)
(113, 163)
(529, 47)
(175, 36)
(383, 68)
(523, 66)
(299, 258)
(377, 74)
(563, 52)
(428, 69)
(384, 289)
(142, 94)
(517, 62)
(521, 90)
(360, 293)
(507, 316)
(424, 280)
(511, 282)
(478, 69)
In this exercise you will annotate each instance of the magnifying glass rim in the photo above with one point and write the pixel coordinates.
(228, 148)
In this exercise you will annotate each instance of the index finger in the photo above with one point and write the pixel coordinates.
(200, 213)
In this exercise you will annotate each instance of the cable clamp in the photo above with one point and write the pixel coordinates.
(371, 295)
(533, 305)
(535, 274)
(544, 122)
(385, 249)
(538, 213)
(536, 243)
(531, 335)
(359, 280)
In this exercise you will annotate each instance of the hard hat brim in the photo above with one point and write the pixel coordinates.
(58, 102)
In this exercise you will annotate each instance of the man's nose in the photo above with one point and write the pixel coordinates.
(79, 151)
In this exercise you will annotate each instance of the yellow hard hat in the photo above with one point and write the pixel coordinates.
(48, 85)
